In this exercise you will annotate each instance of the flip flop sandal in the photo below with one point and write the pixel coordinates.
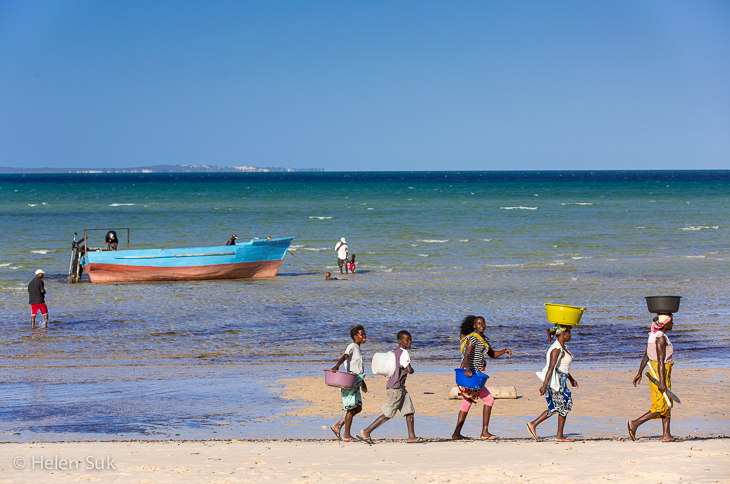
(491, 437)
(632, 433)
(368, 441)
(419, 440)
(336, 434)
(532, 432)
(675, 439)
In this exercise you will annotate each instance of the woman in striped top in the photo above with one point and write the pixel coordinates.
(474, 348)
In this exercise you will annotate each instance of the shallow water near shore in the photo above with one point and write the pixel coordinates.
(157, 360)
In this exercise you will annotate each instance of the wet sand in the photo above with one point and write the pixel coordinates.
(389, 462)
(602, 402)
(440, 460)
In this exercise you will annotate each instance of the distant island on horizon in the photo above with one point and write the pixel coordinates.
(161, 169)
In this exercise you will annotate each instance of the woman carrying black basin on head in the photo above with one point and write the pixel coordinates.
(474, 347)
(658, 348)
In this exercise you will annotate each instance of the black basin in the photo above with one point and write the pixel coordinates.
(663, 304)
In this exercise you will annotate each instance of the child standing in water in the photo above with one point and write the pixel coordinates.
(351, 397)
(395, 389)
(352, 263)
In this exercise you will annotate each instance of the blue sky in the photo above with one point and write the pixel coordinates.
(408, 85)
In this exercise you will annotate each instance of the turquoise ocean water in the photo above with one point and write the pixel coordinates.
(168, 359)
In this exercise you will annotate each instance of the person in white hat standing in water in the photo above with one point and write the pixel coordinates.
(37, 298)
(341, 249)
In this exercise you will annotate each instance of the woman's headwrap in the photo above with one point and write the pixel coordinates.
(659, 321)
(554, 331)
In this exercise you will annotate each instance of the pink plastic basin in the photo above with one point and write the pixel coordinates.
(340, 379)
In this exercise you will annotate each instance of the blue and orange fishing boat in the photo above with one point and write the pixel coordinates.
(253, 259)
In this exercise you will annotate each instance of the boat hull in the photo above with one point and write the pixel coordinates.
(115, 273)
(255, 259)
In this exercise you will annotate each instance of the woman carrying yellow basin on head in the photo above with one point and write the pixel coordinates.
(556, 373)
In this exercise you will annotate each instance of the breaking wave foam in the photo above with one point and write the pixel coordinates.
(700, 227)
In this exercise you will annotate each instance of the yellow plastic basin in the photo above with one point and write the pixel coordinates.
(562, 314)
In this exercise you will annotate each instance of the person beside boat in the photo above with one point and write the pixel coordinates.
(341, 249)
(658, 349)
(37, 298)
(351, 397)
(475, 347)
(111, 240)
(555, 377)
(232, 240)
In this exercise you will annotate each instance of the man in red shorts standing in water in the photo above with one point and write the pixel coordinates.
(37, 298)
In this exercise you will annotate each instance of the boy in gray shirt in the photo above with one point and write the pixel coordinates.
(398, 397)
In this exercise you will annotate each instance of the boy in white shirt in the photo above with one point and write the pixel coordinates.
(351, 398)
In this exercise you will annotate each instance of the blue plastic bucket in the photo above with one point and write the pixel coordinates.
(476, 381)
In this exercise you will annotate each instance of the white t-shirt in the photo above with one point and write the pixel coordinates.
(353, 363)
(651, 347)
(553, 382)
(405, 359)
(565, 362)
(341, 250)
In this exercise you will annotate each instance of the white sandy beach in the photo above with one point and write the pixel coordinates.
(332, 461)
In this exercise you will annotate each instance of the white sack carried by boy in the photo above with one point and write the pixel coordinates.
(384, 364)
